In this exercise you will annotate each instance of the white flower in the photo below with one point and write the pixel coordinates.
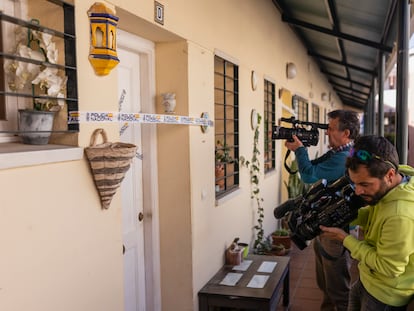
(22, 74)
(25, 51)
(49, 81)
(46, 43)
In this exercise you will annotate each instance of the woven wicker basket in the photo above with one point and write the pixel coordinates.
(109, 163)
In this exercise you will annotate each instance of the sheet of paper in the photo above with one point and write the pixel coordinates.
(231, 279)
(258, 281)
(267, 266)
(243, 266)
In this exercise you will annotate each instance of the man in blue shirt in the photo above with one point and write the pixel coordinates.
(332, 260)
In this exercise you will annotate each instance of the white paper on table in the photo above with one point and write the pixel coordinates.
(231, 279)
(243, 266)
(267, 266)
(258, 281)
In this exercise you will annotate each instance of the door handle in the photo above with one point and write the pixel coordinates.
(140, 216)
(123, 249)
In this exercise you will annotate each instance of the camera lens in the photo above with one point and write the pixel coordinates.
(307, 137)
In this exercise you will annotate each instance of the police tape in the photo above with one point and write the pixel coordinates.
(75, 117)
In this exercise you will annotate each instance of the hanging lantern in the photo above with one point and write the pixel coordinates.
(102, 54)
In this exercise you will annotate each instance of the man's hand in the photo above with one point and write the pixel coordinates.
(293, 145)
(334, 233)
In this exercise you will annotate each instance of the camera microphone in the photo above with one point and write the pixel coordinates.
(286, 207)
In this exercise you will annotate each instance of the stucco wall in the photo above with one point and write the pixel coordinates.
(60, 251)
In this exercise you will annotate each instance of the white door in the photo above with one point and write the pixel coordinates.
(135, 90)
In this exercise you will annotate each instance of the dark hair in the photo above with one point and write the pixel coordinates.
(383, 155)
(348, 120)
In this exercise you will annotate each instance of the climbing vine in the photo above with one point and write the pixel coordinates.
(261, 244)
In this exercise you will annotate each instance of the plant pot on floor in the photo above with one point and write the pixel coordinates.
(281, 237)
(282, 240)
(35, 126)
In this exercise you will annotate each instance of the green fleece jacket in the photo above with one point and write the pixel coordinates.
(386, 255)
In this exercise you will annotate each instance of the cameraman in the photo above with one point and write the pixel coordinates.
(386, 255)
(332, 261)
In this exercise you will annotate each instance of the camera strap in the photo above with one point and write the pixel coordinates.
(323, 157)
(291, 172)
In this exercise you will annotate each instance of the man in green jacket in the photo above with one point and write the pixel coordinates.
(386, 255)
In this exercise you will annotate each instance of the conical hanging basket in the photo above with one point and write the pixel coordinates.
(109, 163)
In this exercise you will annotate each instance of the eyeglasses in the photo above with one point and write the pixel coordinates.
(367, 156)
(363, 155)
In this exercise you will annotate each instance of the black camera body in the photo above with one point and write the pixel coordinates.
(333, 205)
(308, 137)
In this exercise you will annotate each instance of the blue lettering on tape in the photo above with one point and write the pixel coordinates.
(152, 118)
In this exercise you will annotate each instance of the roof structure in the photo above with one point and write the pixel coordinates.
(347, 39)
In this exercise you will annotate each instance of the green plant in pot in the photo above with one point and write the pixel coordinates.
(281, 237)
(223, 157)
(223, 153)
(40, 76)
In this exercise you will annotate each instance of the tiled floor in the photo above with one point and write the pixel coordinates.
(304, 293)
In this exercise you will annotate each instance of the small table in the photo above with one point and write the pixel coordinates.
(213, 294)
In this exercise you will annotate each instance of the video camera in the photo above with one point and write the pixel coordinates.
(333, 205)
(308, 137)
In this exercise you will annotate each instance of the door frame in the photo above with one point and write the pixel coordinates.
(146, 49)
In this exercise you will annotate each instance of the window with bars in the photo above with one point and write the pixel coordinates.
(226, 126)
(54, 18)
(268, 121)
(325, 121)
(315, 113)
(301, 108)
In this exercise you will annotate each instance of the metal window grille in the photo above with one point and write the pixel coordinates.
(226, 125)
(301, 108)
(68, 42)
(315, 113)
(269, 120)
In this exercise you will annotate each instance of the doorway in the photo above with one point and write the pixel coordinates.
(136, 93)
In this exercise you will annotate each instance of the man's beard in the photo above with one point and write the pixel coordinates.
(374, 199)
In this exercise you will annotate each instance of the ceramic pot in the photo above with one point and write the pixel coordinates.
(219, 173)
(245, 249)
(36, 126)
(169, 102)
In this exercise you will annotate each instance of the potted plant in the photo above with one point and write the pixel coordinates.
(275, 249)
(38, 74)
(281, 237)
(295, 185)
(222, 157)
(222, 152)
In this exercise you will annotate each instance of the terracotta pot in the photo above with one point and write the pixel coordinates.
(219, 173)
(278, 250)
(282, 239)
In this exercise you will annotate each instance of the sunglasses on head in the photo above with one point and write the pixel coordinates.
(366, 156)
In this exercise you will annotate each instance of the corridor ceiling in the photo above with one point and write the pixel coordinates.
(346, 38)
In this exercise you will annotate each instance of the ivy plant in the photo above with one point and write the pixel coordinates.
(261, 243)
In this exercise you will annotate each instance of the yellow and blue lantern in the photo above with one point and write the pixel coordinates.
(102, 54)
